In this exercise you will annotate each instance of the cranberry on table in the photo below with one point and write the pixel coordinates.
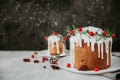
(32, 56)
(43, 59)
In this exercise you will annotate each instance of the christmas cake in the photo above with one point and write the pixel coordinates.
(56, 44)
(90, 48)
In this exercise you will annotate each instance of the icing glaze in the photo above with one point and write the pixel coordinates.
(78, 37)
(55, 39)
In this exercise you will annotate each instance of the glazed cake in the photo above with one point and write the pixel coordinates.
(90, 48)
(56, 44)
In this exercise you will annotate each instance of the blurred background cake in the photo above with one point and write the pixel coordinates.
(90, 48)
(56, 44)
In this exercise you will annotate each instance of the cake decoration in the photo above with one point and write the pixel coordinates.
(71, 32)
(91, 33)
(66, 38)
(104, 33)
(113, 35)
(79, 29)
(55, 33)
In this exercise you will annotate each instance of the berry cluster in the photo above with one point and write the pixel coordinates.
(34, 59)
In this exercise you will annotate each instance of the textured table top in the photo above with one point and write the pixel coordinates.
(13, 68)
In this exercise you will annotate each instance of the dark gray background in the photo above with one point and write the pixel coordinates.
(23, 23)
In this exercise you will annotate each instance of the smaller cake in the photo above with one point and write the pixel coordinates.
(56, 44)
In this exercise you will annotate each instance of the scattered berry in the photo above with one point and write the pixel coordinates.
(55, 33)
(71, 32)
(104, 33)
(32, 56)
(43, 59)
(68, 65)
(36, 61)
(44, 67)
(66, 38)
(79, 29)
(57, 62)
(113, 35)
(55, 67)
(36, 53)
(26, 60)
(96, 69)
(45, 37)
(91, 33)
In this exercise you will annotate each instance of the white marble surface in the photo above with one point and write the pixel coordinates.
(13, 68)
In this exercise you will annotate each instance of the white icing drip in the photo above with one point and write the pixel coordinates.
(57, 45)
(102, 51)
(92, 44)
(73, 40)
(107, 48)
(98, 50)
(54, 39)
(77, 39)
(48, 47)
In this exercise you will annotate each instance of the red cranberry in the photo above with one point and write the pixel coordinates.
(66, 38)
(104, 33)
(96, 69)
(68, 65)
(113, 35)
(32, 56)
(79, 29)
(71, 32)
(91, 33)
(55, 33)
(43, 59)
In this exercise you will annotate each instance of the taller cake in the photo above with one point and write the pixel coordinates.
(90, 48)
